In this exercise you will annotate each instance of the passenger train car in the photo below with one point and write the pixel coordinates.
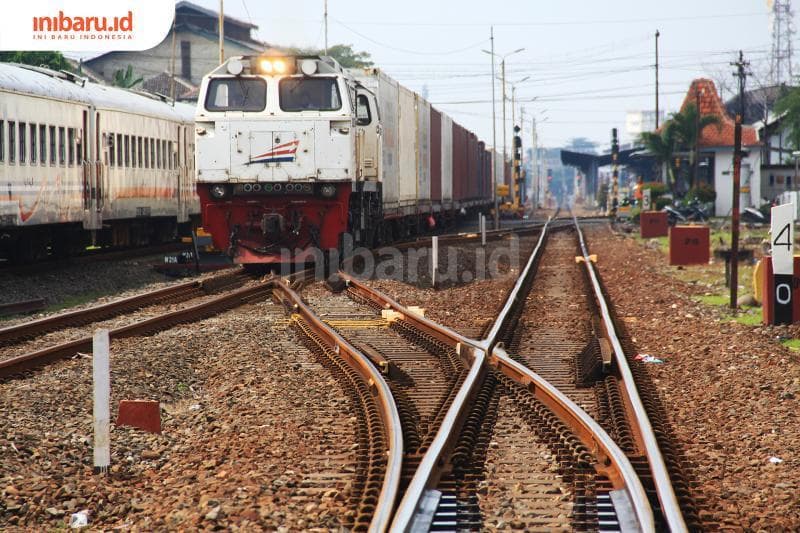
(83, 163)
(293, 153)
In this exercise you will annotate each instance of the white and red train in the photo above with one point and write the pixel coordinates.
(83, 163)
(294, 152)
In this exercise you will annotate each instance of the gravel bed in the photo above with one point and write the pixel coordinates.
(74, 333)
(256, 435)
(82, 285)
(466, 307)
(731, 390)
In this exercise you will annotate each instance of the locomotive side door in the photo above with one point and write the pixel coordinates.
(368, 141)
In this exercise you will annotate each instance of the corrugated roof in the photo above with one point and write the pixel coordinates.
(212, 14)
(711, 104)
(50, 84)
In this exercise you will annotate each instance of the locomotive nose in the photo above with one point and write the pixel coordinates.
(272, 225)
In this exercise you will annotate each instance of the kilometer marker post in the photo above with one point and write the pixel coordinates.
(434, 259)
(101, 376)
(782, 239)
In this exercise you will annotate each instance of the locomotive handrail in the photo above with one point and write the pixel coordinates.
(666, 494)
(378, 387)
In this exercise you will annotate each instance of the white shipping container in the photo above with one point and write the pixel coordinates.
(386, 91)
(447, 159)
(424, 150)
(408, 147)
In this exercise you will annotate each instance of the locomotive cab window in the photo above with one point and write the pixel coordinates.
(309, 94)
(363, 113)
(236, 94)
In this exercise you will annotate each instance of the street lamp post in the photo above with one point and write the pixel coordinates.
(494, 122)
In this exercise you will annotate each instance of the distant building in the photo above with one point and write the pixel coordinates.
(637, 122)
(196, 52)
(716, 151)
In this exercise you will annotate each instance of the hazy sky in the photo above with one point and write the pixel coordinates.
(589, 62)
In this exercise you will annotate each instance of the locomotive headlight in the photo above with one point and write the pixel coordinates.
(279, 65)
(265, 66)
(328, 191)
(219, 191)
(308, 67)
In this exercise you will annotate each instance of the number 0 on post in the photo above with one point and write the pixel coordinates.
(782, 237)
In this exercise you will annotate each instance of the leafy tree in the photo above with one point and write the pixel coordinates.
(662, 145)
(688, 127)
(52, 60)
(790, 105)
(125, 79)
(343, 53)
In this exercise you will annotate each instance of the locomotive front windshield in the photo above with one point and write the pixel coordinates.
(236, 94)
(309, 94)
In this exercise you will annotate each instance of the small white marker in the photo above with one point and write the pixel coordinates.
(101, 376)
(434, 259)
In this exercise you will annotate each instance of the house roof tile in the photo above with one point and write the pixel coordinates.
(711, 104)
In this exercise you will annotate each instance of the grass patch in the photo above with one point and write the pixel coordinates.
(749, 316)
(72, 301)
(713, 299)
(792, 344)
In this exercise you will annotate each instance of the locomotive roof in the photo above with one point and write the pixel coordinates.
(50, 84)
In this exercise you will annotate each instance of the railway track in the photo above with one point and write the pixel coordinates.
(468, 434)
(217, 294)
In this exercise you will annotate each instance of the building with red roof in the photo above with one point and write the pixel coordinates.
(716, 150)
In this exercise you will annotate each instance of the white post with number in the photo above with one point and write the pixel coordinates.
(101, 376)
(434, 259)
(646, 199)
(782, 238)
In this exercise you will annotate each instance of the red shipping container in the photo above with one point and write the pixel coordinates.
(459, 161)
(653, 224)
(689, 245)
(768, 292)
(436, 156)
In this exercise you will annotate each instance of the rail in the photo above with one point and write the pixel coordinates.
(378, 387)
(666, 494)
(415, 510)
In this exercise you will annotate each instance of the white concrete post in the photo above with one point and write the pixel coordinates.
(101, 376)
(434, 259)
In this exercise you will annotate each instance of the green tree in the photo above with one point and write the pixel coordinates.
(343, 53)
(125, 79)
(51, 60)
(688, 127)
(790, 105)
(662, 145)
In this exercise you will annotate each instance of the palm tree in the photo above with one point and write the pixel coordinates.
(125, 79)
(688, 127)
(662, 146)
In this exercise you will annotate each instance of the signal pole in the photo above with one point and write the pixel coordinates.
(612, 201)
(741, 73)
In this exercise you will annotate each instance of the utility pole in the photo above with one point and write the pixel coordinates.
(741, 73)
(172, 64)
(221, 33)
(494, 142)
(503, 77)
(326, 27)
(697, 92)
(535, 165)
(657, 36)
